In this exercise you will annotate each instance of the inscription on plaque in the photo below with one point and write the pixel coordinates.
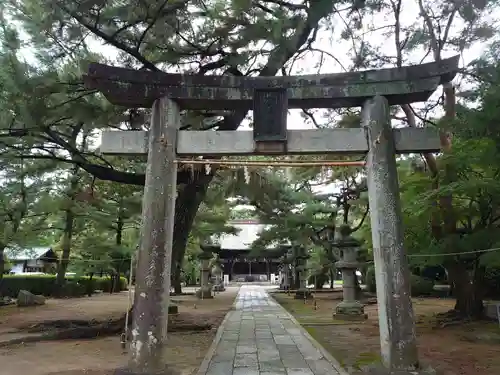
(270, 109)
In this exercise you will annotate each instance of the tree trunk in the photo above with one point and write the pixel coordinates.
(70, 215)
(68, 233)
(119, 228)
(2, 261)
(115, 277)
(467, 288)
(176, 279)
(66, 246)
(186, 206)
(296, 279)
(2, 266)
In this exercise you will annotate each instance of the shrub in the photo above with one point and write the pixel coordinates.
(491, 287)
(420, 286)
(318, 280)
(46, 285)
(370, 280)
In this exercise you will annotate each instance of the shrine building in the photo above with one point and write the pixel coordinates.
(240, 261)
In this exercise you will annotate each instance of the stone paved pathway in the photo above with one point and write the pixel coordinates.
(259, 338)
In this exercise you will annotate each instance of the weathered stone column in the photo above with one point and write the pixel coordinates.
(301, 257)
(289, 275)
(205, 290)
(349, 308)
(219, 281)
(285, 273)
(152, 291)
(286, 276)
(396, 321)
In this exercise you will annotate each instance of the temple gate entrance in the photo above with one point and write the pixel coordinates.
(269, 98)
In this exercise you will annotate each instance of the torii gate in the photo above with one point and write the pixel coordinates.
(270, 98)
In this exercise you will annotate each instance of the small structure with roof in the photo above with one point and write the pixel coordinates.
(32, 259)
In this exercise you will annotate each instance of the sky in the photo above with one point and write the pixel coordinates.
(332, 43)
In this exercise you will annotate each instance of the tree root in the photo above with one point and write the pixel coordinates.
(451, 318)
(84, 329)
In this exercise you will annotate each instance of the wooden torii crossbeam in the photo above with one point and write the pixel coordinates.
(136, 89)
(299, 142)
(270, 98)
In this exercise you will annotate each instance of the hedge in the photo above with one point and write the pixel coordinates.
(318, 280)
(45, 285)
(419, 286)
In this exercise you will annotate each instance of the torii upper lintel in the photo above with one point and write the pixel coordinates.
(135, 89)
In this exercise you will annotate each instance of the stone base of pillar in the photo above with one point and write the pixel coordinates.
(380, 370)
(205, 292)
(303, 294)
(166, 371)
(219, 288)
(353, 311)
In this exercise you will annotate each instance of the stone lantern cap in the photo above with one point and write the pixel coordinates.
(347, 265)
(349, 245)
(285, 259)
(301, 253)
(346, 240)
(284, 249)
(302, 259)
(301, 267)
(205, 254)
(209, 247)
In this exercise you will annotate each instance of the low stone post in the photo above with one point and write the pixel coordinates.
(205, 290)
(349, 308)
(301, 260)
(289, 275)
(285, 273)
(219, 282)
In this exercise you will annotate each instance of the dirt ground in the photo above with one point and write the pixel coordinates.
(466, 349)
(184, 353)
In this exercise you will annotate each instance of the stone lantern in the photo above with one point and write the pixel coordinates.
(285, 269)
(301, 266)
(218, 279)
(205, 256)
(349, 308)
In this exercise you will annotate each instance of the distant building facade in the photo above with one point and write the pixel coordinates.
(30, 260)
(236, 255)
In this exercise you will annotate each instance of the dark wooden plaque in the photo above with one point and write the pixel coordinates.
(270, 109)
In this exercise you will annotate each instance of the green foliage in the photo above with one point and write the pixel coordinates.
(370, 282)
(473, 163)
(419, 286)
(492, 282)
(319, 279)
(7, 265)
(46, 285)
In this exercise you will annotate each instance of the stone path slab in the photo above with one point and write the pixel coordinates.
(261, 338)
